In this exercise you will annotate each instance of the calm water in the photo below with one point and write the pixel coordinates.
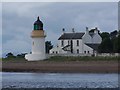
(58, 80)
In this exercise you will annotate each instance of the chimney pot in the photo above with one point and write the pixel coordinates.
(73, 30)
(63, 30)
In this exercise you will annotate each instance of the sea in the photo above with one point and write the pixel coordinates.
(13, 80)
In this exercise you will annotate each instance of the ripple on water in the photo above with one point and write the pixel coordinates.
(24, 80)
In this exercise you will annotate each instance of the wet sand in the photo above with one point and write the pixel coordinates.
(61, 67)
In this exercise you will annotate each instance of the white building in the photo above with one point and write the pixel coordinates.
(38, 43)
(78, 43)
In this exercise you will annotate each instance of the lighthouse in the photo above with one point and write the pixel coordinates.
(38, 42)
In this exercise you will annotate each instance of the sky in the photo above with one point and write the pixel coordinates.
(18, 19)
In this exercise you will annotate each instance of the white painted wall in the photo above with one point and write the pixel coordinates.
(57, 50)
(82, 47)
(75, 47)
(86, 37)
(38, 45)
(97, 38)
(38, 49)
(87, 48)
(65, 42)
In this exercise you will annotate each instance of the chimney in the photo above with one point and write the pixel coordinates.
(63, 30)
(73, 30)
(87, 31)
(96, 30)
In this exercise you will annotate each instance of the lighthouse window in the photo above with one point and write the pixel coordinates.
(35, 27)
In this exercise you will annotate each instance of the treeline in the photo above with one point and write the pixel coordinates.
(48, 46)
(110, 42)
(11, 55)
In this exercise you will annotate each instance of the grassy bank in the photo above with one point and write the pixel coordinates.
(66, 58)
(60, 64)
(83, 58)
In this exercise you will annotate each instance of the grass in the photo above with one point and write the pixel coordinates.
(14, 60)
(66, 58)
(83, 58)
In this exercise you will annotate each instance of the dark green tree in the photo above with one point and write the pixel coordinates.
(48, 46)
(10, 55)
(113, 34)
(110, 42)
(115, 44)
(105, 35)
(118, 43)
(22, 55)
(106, 46)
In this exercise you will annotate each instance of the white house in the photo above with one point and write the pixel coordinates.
(78, 43)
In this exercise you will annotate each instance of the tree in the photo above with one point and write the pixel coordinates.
(118, 43)
(22, 55)
(10, 55)
(48, 46)
(110, 42)
(106, 46)
(115, 44)
(105, 35)
(113, 34)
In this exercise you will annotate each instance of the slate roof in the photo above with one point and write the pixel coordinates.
(71, 36)
(93, 46)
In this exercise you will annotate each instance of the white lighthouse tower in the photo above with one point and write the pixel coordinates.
(38, 43)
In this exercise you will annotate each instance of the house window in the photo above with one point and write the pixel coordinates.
(56, 52)
(77, 42)
(62, 43)
(77, 51)
(88, 52)
(85, 52)
(33, 43)
(68, 42)
(53, 51)
(71, 46)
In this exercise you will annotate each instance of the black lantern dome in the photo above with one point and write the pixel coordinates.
(38, 25)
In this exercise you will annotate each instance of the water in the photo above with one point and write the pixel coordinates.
(59, 80)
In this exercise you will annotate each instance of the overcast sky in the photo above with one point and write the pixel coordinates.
(18, 19)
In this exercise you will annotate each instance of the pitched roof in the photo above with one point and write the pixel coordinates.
(66, 48)
(93, 46)
(71, 36)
